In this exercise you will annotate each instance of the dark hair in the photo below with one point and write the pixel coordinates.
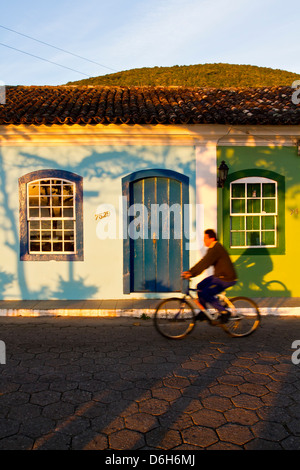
(211, 233)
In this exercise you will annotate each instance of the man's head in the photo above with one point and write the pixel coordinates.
(210, 237)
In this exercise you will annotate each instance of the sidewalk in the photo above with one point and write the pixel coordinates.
(120, 308)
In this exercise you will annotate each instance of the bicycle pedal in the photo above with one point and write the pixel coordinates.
(225, 316)
(200, 316)
(236, 317)
(222, 319)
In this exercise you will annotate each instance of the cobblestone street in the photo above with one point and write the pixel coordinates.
(115, 383)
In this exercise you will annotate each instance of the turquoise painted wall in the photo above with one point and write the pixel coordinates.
(100, 275)
(269, 274)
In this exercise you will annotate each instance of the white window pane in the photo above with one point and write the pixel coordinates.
(53, 200)
(256, 197)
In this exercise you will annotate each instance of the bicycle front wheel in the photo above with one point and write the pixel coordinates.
(174, 318)
(245, 317)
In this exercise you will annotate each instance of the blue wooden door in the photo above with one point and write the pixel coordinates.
(157, 247)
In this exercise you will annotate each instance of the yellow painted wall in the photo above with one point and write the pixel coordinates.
(273, 274)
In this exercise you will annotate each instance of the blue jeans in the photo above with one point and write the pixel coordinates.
(209, 288)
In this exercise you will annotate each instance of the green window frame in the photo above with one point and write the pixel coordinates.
(253, 212)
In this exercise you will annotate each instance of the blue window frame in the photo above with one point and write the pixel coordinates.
(51, 218)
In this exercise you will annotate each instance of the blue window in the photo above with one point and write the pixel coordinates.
(51, 219)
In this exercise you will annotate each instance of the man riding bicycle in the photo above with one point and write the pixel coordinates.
(224, 274)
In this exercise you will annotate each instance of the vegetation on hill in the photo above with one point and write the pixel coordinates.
(202, 75)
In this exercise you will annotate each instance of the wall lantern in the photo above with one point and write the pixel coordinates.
(222, 174)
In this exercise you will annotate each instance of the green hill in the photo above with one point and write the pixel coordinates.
(202, 75)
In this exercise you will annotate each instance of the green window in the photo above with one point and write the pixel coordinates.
(253, 213)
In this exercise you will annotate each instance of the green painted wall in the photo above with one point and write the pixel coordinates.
(268, 274)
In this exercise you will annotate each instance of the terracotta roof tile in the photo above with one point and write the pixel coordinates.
(148, 105)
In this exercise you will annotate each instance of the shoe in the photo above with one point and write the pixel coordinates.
(224, 317)
(200, 316)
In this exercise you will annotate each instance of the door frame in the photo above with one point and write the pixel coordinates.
(126, 184)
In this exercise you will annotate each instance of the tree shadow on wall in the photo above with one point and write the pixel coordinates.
(71, 288)
(93, 165)
(5, 280)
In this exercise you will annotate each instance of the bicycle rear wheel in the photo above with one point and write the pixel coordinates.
(174, 318)
(245, 317)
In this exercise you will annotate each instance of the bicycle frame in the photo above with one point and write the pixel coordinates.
(196, 304)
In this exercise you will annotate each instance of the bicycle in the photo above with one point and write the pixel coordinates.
(175, 318)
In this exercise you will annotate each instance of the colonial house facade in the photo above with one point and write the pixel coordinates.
(105, 191)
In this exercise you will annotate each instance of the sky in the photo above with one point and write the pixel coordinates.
(125, 34)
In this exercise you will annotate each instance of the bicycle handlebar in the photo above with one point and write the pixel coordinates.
(188, 287)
